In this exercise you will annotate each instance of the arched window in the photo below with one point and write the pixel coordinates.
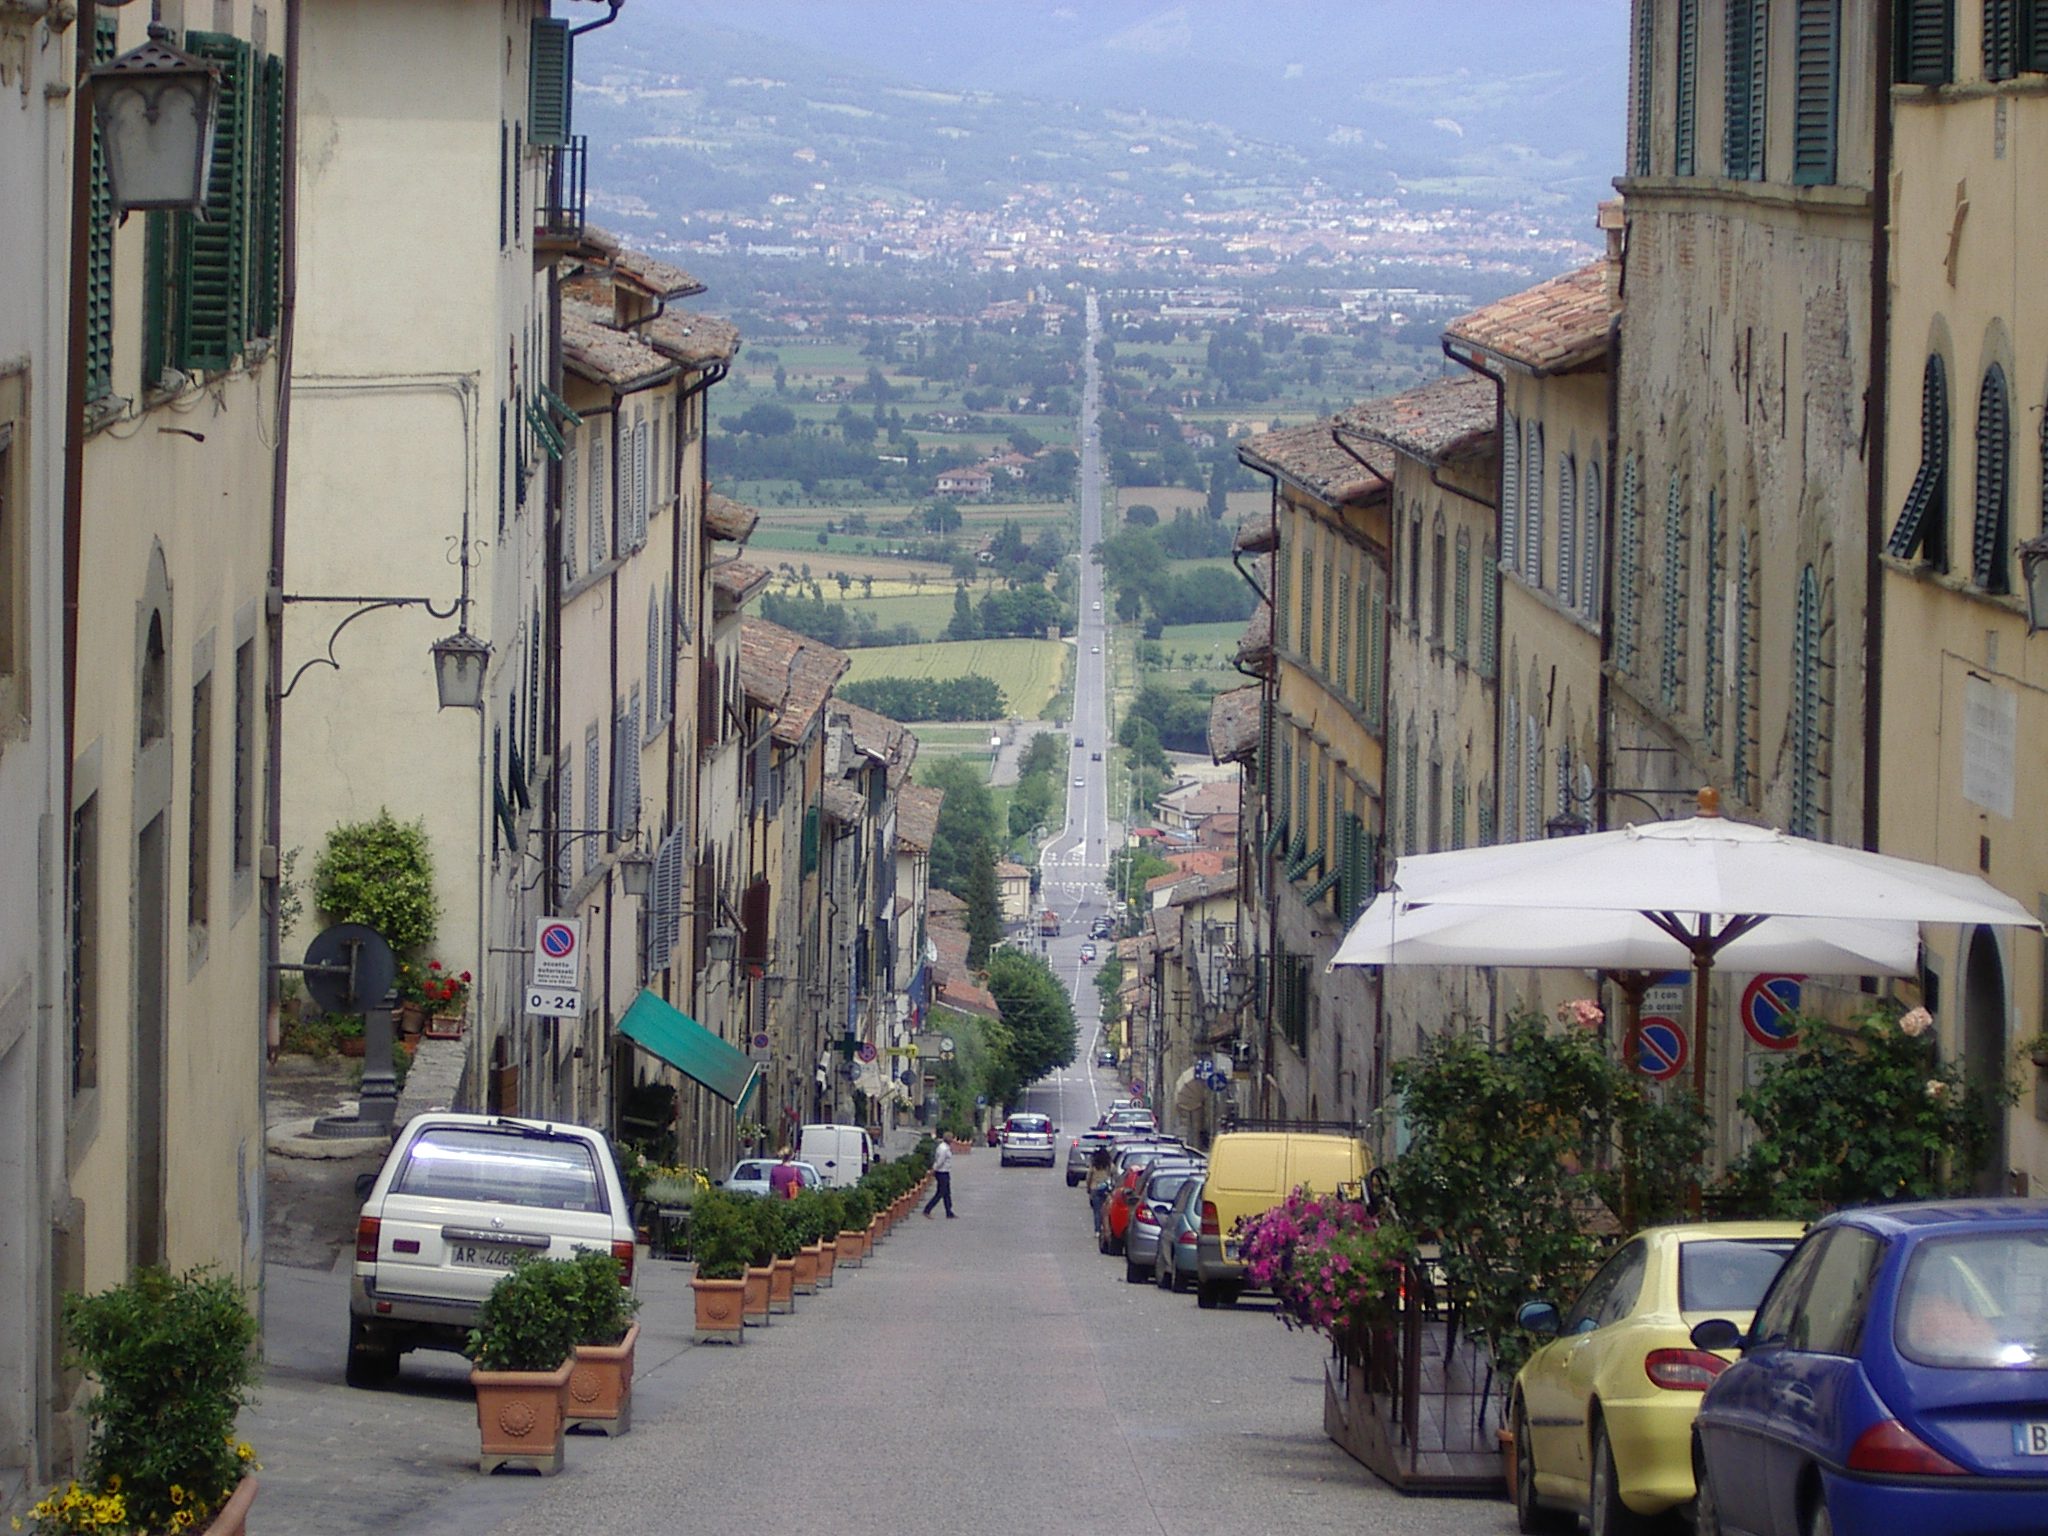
(1988, 557)
(1532, 503)
(1628, 567)
(1567, 530)
(153, 713)
(1922, 527)
(1594, 511)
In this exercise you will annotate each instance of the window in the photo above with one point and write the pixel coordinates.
(1711, 654)
(99, 238)
(1376, 653)
(600, 503)
(1610, 1294)
(593, 803)
(1415, 570)
(85, 944)
(2033, 30)
(565, 817)
(1747, 74)
(1458, 802)
(1409, 808)
(1532, 503)
(1748, 581)
(1343, 672)
(1988, 557)
(1567, 530)
(1922, 527)
(1532, 775)
(1923, 51)
(1324, 653)
(243, 832)
(1489, 607)
(1461, 602)
(1594, 510)
(1639, 98)
(1305, 637)
(641, 487)
(1773, 1322)
(1828, 1320)
(199, 807)
(1437, 575)
(1817, 45)
(14, 552)
(570, 509)
(550, 80)
(152, 714)
(213, 249)
(1283, 559)
(1722, 1275)
(1627, 568)
(1484, 800)
(2003, 47)
(1671, 667)
(654, 667)
(1511, 485)
(1806, 725)
(1686, 88)
(1511, 769)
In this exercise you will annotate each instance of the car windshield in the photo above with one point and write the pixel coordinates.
(502, 1167)
(1033, 1123)
(1729, 1274)
(1977, 1302)
(744, 1171)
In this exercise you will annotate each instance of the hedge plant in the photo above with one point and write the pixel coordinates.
(530, 1319)
(380, 873)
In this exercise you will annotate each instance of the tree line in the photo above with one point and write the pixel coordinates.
(969, 697)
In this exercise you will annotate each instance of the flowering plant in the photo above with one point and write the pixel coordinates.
(434, 988)
(1582, 1011)
(1330, 1263)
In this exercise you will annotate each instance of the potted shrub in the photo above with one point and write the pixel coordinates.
(856, 1210)
(521, 1353)
(722, 1238)
(445, 996)
(601, 1382)
(380, 872)
(807, 1223)
(831, 1217)
(172, 1359)
(760, 1260)
(779, 1222)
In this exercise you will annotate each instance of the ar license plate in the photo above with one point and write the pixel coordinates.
(2030, 1439)
(485, 1255)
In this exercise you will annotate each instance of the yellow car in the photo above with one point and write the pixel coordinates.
(1603, 1412)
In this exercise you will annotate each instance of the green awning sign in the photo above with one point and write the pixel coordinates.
(691, 1049)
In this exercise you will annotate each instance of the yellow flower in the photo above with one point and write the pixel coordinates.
(114, 1482)
(245, 1451)
(177, 1494)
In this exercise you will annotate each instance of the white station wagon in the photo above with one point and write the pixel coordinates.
(459, 1201)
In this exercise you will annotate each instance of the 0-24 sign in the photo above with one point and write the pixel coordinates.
(555, 1002)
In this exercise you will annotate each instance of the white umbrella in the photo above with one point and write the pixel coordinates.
(1705, 881)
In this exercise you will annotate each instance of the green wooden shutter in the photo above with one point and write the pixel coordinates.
(1343, 669)
(1628, 560)
(1411, 755)
(1745, 666)
(1687, 88)
(1805, 722)
(1639, 108)
(1376, 652)
(2033, 35)
(1988, 563)
(1458, 803)
(1923, 523)
(1716, 601)
(1489, 608)
(269, 214)
(1747, 76)
(1328, 603)
(550, 81)
(1461, 615)
(2001, 39)
(1816, 49)
(99, 241)
(1924, 45)
(214, 268)
(1670, 667)
(1283, 559)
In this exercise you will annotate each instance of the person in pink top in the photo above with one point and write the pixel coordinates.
(785, 1178)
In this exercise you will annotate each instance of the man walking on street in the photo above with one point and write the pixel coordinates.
(942, 1176)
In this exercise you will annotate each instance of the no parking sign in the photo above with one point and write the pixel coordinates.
(1660, 1047)
(1769, 1006)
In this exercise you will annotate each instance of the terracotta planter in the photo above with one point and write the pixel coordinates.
(412, 1018)
(877, 1230)
(232, 1518)
(522, 1417)
(351, 1045)
(446, 1026)
(601, 1385)
(805, 1281)
(828, 1260)
(754, 1299)
(853, 1247)
(718, 1310)
(782, 1286)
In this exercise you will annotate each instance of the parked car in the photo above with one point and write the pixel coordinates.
(1602, 1413)
(1087, 954)
(1132, 1165)
(1131, 1119)
(840, 1152)
(1174, 1266)
(1253, 1171)
(749, 1176)
(1105, 1057)
(1079, 780)
(1894, 1378)
(1029, 1138)
(1082, 1149)
(460, 1200)
(1094, 757)
(1149, 1203)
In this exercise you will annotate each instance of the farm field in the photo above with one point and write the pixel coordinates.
(1170, 499)
(1030, 672)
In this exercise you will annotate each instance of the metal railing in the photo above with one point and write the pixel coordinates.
(561, 207)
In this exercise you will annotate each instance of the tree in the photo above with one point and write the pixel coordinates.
(766, 420)
(845, 583)
(1140, 514)
(1038, 1018)
(963, 850)
(984, 904)
(1219, 496)
(964, 625)
(942, 516)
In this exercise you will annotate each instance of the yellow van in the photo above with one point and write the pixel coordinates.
(1253, 1171)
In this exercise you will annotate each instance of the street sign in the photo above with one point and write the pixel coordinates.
(1137, 1088)
(558, 952)
(1660, 1049)
(867, 1051)
(1769, 1005)
(555, 1002)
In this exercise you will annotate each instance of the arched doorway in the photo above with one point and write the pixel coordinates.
(1984, 1048)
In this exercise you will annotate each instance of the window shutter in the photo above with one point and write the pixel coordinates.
(1988, 560)
(1816, 46)
(1532, 503)
(1924, 47)
(1627, 563)
(1283, 819)
(1639, 105)
(1511, 770)
(1923, 523)
(269, 241)
(1458, 803)
(1805, 722)
(1716, 602)
(1305, 633)
(99, 241)
(1735, 104)
(664, 920)
(600, 505)
(1567, 530)
(1532, 789)
(2033, 35)
(1589, 546)
(593, 804)
(1511, 486)
(571, 514)
(214, 262)
(1687, 87)
(704, 897)
(2001, 39)
(1283, 558)
(641, 488)
(550, 81)
(1489, 609)
(159, 298)
(632, 805)
(1343, 670)
(812, 817)
(1486, 814)
(1670, 673)
(1745, 662)
(1329, 576)
(1461, 597)
(1411, 757)
(1376, 654)
(565, 816)
(653, 659)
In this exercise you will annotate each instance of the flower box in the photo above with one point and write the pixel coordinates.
(718, 1310)
(782, 1286)
(446, 1026)
(601, 1386)
(521, 1417)
(754, 1296)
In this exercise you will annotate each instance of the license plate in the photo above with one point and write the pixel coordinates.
(2030, 1439)
(1230, 1251)
(485, 1255)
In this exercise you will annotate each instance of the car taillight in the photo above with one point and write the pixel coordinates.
(623, 1252)
(366, 1239)
(1211, 1227)
(1144, 1213)
(1683, 1370)
(1888, 1447)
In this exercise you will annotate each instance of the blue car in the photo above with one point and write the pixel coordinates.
(1894, 1379)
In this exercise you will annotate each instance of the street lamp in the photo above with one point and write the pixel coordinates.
(2034, 571)
(459, 662)
(154, 108)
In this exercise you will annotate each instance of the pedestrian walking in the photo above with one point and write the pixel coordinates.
(1101, 1174)
(785, 1178)
(942, 1176)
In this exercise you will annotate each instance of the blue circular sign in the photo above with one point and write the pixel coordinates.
(1660, 1048)
(558, 939)
(1770, 1004)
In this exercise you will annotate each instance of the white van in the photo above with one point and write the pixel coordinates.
(840, 1152)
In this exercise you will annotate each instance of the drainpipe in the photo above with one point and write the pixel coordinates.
(74, 390)
(1603, 744)
(1875, 405)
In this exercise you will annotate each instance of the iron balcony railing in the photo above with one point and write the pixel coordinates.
(562, 197)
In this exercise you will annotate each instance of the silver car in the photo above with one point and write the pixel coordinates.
(749, 1176)
(1081, 1150)
(1029, 1138)
(1174, 1267)
(1148, 1217)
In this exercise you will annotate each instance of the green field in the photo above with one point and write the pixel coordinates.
(928, 615)
(1029, 672)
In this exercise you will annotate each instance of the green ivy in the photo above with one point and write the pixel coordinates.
(380, 873)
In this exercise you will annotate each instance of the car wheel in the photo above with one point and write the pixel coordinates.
(1529, 1515)
(369, 1365)
(1606, 1515)
(1706, 1507)
(1073, 1179)
(1133, 1274)
(1819, 1522)
(1206, 1295)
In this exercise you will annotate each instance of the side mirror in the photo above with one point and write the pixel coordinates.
(365, 1182)
(1539, 1318)
(1716, 1333)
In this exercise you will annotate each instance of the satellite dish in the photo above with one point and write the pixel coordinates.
(349, 968)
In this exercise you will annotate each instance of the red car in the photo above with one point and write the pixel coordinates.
(1116, 1212)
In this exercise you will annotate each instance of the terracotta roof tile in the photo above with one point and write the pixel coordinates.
(1255, 646)
(1234, 725)
(787, 674)
(727, 519)
(845, 804)
(692, 339)
(659, 278)
(735, 583)
(1551, 328)
(593, 349)
(939, 902)
(879, 737)
(1435, 422)
(917, 816)
(1311, 458)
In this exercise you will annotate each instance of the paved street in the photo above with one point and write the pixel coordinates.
(991, 1371)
